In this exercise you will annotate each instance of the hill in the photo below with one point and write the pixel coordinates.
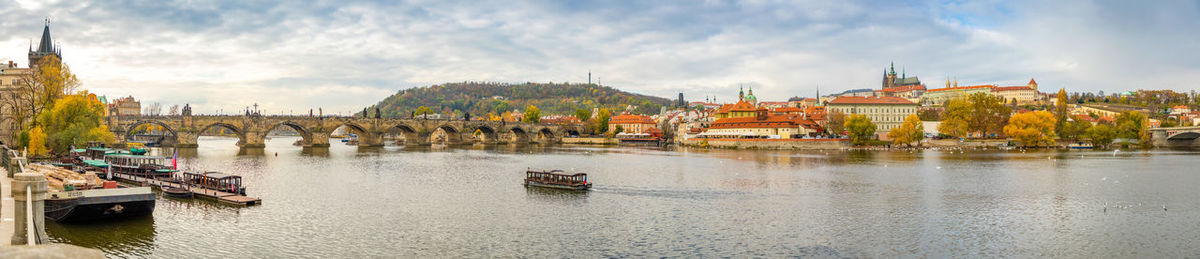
(479, 98)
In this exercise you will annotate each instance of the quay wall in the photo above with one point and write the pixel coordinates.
(800, 144)
(593, 141)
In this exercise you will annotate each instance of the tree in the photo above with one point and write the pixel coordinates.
(618, 130)
(835, 122)
(909, 132)
(1060, 111)
(153, 109)
(422, 110)
(174, 110)
(860, 127)
(1031, 128)
(532, 115)
(74, 121)
(39, 89)
(1102, 135)
(583, 114)
(37, 142)
(1133, 125)
(954, 118)
(602, 121)
(988, 113)
(1074, 130)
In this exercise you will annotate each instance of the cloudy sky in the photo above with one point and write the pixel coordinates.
(343, 55)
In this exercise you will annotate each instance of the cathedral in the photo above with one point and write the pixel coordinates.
(891, 81)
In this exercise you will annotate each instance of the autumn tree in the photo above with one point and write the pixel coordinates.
(1102, 135)
(835, 122)
(422, 110)
(954, 118)
(37, 142)
(860, 127)
(532, 115)
(988, 113)
(74, 121)
(1060, 111)
(38, 90)
(1032, 128)
(909, 132)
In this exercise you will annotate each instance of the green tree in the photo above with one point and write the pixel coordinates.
(1133, 125)
(1032, 128)
(954, 118)
(909, 132)
(532, 115)
(1102, 135)
(583, 114)
(602, 118)
(73, 121)
(423, 111)
(618, 130)
(860, 127)
(1074, 130)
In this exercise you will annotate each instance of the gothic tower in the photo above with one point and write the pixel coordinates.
(45, 48)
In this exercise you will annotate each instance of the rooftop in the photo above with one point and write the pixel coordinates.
(870, 100)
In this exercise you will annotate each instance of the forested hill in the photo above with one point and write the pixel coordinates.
(480, 99)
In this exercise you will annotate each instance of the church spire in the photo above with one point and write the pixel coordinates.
(892, 67)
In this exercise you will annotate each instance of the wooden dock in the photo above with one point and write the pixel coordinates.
(223, 197)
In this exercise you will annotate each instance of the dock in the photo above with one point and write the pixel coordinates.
(223, 197)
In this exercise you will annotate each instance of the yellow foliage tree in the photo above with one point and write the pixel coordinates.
(955, 118)
(37, 142)
(909, 132)
(1032, 128)
(73, 121)
(860, 127)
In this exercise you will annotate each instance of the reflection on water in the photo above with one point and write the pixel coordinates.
(468, 201)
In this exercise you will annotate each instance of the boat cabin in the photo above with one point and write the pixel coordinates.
(216, 181)
(143, 166)
(557, 179)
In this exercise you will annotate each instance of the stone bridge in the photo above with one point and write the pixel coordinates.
(1175, 136)
(252, 130)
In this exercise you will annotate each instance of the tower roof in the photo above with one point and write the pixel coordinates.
(1031, 82)
(46, 45)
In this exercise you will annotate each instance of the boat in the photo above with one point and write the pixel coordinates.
(73, 197)
(1080, 146)
(217, 181)
(139, 165)
(177, 192)
(557, 179)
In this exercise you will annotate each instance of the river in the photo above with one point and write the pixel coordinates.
(352, 202)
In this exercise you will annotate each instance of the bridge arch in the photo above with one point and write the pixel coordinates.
(305, 134)
(483, 134)
(129, 131)
(410, 133)
(237, 131)
(519, 135)
(451, 135)
(545, 135)
(1185, 136)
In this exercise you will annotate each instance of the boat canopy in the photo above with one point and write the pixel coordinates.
(95, 163)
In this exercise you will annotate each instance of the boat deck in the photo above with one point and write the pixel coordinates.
(223, 197)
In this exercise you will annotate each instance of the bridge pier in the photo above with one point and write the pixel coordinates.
(186, 139)
(317, 140)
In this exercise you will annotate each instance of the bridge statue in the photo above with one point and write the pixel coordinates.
(251, 129)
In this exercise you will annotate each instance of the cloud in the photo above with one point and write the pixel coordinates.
(343, 55)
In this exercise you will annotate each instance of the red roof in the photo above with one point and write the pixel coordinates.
(1012, 88)
(631, 119)
(960, 88)
(743, 106)
(1031, 82)
(772, 121)
(787, 109)
(870, 100)
(724, 108)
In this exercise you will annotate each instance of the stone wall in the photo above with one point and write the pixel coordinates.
(594, 141)
(799, 144)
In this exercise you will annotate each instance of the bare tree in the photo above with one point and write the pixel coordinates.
(154, 109)
(39, 88)
(174, 110)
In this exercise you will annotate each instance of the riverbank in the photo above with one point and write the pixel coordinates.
(591, 141)
(794, 144)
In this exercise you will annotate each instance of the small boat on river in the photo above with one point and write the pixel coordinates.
(177, 192)
(557, 179)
